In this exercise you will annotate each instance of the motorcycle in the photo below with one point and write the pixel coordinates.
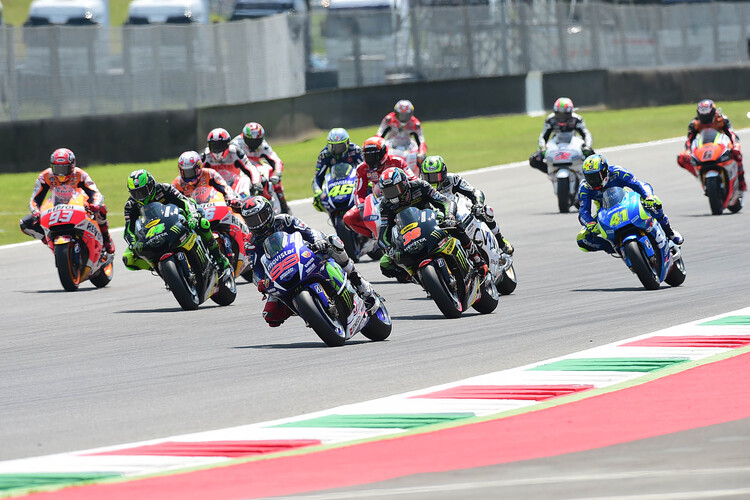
(639, 239)
(564, 158)
(714, 165)
(229, 229)
(444, 270)
(181, 259)
(500, 264)
(269, 193)
(319, 292)
(402, 143)
(238, 181)
(337, 198)
(75, 239)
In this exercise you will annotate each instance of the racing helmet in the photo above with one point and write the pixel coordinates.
(338, 141)
(253, 135)
(434, 170)
(190, 165)
(394, 184)
(375, 151)
(706, 111)
(258, 215)
(404, 110)
(218, 142)
(596, 171)
(563, 109)
(62, 162)
(142, 186)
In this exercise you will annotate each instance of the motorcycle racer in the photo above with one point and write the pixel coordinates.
(64, 172)
(435, 172)
(262, 222)
(402, 118)
(338, 150)
(599, 176)
(253, 142)
(377, 160)
(400, 193)
(221, 155)
(708, 116)
(193, 174)
(143, 190)
(562, 119)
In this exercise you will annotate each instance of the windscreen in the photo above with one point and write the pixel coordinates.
(341, 171)
(274, 244)
(612, 197)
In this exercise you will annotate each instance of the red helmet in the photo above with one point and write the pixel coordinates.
(62, 162)
(394, 185)
(563, 109)
(190, 165)
(375, 151)
(218, 142)
(706, 111)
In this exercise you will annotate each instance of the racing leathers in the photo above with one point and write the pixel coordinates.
(168, 194)
(326, 159)
(391, 125)
(78, 179)
(455, 184)
(552, 126)
(398, 264)
(588, 238)
(276, 312)
(266, 152)
(232, 163)
(365, 177)
(208, 177)
(723, 125)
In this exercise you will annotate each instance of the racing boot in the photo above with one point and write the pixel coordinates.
(221, 261)
(477, 259)
(364, 288)
(673, 235)
(504, 244)
(282, 201)
(109, 245)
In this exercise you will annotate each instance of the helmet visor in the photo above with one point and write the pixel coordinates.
(433, 178)
(66, 169)
(338, 149)
(403, 117)
(594, 179)
(393, 192)
(253, 144)
(141, 193)
(260, 222)
(189, 173)
(562, 116)
(217, 147)
(373, 158)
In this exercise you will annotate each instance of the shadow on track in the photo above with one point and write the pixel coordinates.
(301, 345)
(159, 310)
(417, 317)
(620, 289)
(60, 290)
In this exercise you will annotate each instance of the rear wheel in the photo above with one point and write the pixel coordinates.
(641, 266)
(715, 195)
(182, 289)
(312, 311)
(68, 266)
(507, 282)
(563, 195)
(440, 292)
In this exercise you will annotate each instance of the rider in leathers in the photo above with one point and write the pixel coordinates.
(338, 150)
(194, 174)
(222, 156)
(562, 119)
(400, 193)
(262, 223)
(144, 190)
(402, 118)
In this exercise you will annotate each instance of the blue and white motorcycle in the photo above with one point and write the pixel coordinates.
(564, 158)
(639, 239)
(320, 292)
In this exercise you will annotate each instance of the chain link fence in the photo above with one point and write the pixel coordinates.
(71, 71)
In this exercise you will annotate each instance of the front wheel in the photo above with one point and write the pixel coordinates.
(227, 290)
(183, 291)
(312, 311)
(487, 303)
(676, 275)
(715, 195)
(563, 194)
(640, 265)
(508, 281)
(440, 292)
(68, 266)
(379, 327)
(736, 207)
(103, 276)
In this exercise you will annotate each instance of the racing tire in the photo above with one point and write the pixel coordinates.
(348, 237)
(103, 276)
(486, 304)
(375, 254)
(563, 195)
(227, 291)
(715, 195)
(640, 265)
(247, 274)
(67, 270)
(507, 282)
(313, 313)
(440, 292)
(185, 294)
(376, 329)
(676, 275)
(736, 207)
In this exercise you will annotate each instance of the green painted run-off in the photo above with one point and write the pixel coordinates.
(611, 364)
(379, 421)
(727, 321)
(36, 480)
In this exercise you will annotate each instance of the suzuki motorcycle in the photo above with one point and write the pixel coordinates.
(75, 239)
(402, 143)
(229, 229)
(320, 292)
(443, 266)
(711, 157)
(639, 239)
(180, 257)
(564, 158)
(337, 198)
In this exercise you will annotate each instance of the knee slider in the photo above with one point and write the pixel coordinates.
(205, 223)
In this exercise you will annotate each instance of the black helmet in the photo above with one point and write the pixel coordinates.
(706, 111)
(258, 215)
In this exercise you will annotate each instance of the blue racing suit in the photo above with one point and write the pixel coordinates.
(588, 198)
(352, 156)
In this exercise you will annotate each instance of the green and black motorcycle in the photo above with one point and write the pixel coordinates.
(182, 260)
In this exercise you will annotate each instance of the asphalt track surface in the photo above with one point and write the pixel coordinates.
(125, 363)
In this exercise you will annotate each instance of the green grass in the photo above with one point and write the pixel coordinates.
(465, 144)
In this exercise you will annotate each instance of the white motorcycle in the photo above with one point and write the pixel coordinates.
(402, 143)
(564, 159)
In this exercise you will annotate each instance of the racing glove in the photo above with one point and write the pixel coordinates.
(449, 221)
(263, 286)
(591, 226)
(652, 202)
(420, 158)
(275, 179)
(94, 208)
(36, 214)
(235, 203)
(319, 246)
(192, 222)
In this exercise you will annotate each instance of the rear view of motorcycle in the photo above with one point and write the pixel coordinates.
(564, 158)
(713, 161)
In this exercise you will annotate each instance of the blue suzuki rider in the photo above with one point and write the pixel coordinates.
(598, 176)
(261, 221)
(338, 150)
